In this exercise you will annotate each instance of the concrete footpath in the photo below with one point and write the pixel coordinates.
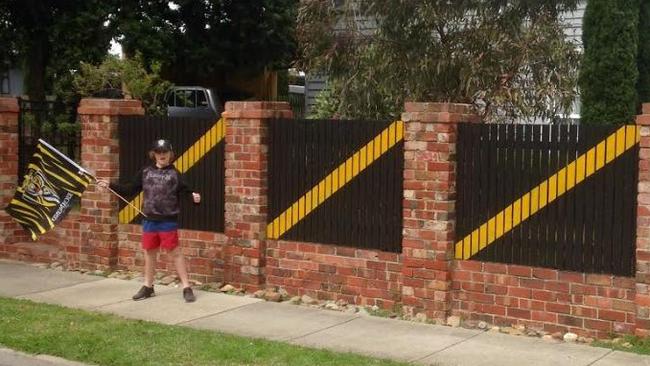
(377, 337)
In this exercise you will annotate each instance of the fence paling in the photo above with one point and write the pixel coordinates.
(336, 182)
(579, 217)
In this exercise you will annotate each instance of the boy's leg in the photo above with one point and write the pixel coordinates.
(150, 259)
(181, 267)
(146, 291)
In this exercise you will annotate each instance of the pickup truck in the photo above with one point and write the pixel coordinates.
(193, 101)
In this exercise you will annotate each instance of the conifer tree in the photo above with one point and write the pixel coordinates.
(643, 86)
(609, 72)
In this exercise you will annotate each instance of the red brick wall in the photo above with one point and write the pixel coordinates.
(591, 305)
(643, 227)
(424, 278)
(10, 231)
(203, 252)
(329, 272)
(429, 204)
(98, 244)
(246, 186)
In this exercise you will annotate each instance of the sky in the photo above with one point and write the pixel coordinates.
(116, 48)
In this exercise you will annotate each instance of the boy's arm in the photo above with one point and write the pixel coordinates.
(185, 189)
(131, 187)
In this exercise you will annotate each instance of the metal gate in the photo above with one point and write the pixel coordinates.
(52, 121)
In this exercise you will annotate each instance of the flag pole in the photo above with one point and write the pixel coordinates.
(118, 195)
(125, 200)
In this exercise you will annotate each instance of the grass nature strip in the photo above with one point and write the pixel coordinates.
(104, 339)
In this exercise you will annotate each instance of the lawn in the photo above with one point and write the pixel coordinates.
(627, 344)
(103, 339)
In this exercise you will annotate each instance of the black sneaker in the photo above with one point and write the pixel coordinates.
(144, 293)
(188, 294)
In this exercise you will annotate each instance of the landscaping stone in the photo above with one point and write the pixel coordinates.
(227, 288)
(283, 293)
(532, 333)
(331, 305)
(421, 317)
(272, 296)
(168, 280)
(363, 311)
(306, 299)
(570, 337)
(351, 309)
(341, 303)
(453, 321)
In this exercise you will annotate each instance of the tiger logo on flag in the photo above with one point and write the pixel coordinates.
(39, 190)
(52, 186)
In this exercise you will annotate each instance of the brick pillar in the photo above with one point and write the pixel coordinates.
(429, 205)
(246, 189)
(9, 229)
(100, 154)
(642, 297)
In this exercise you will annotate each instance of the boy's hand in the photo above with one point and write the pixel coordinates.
(102, 183)
(196, 197)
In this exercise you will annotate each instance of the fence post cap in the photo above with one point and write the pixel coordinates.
(99, 106)
(257, 109)
(9, 104)
(462, 108)
(254, 105)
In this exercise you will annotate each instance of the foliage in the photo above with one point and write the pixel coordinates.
(112, 73)
(643, 85)
(609, 71)
(200, 42)
(46, 38)
(327, 103)
(510, 59)
(194, 42)
(103, 339)
(626, 343)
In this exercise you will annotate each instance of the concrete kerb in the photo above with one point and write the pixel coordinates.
(9, 357)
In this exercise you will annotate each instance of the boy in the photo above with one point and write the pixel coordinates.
(162, 185)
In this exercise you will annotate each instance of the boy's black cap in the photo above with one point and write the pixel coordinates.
(161, 146)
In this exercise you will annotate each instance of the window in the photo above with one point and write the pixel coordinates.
(170, 100)
(201, 100)
(185, 98)
(190, 98)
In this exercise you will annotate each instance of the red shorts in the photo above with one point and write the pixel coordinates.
(159, 235)
(166, 240)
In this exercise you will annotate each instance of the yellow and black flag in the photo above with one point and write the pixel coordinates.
(52, 185)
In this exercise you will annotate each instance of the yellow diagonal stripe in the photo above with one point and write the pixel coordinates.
(183, 163)
(336, 179)
(548, 191)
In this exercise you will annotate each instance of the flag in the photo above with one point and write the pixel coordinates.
(53, 184)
